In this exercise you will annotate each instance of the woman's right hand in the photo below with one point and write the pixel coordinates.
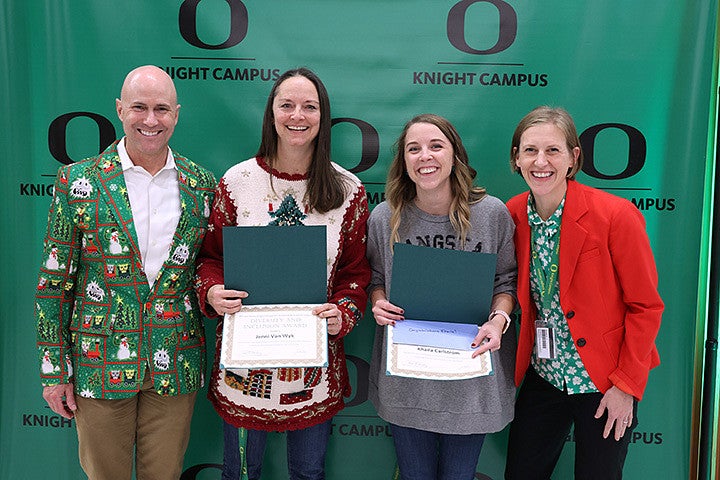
(386, 313)
(225, 301)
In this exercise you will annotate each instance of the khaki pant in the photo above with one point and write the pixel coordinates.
(109, 432)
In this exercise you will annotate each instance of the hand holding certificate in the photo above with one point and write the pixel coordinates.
(276, 326)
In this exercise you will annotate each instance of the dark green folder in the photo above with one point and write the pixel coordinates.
(277, 265)
(442, 285)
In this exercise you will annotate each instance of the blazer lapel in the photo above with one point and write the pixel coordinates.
(110, 176)
(572, 234)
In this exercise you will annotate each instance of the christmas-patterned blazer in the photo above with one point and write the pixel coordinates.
(99, 323)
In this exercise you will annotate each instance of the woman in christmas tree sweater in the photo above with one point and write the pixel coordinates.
(290, 181)
(439, 426)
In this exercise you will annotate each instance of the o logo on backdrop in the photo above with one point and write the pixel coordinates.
(362, 372)
(57, 138)
(187, 19)
(57, 134)
(456, 26)
(637, 149)
(370, 143)
(192, 472)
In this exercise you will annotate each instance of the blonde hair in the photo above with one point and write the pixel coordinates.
(400, 190)
(558, 117)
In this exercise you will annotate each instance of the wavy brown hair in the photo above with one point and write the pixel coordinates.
(400, 190)
(326, 189)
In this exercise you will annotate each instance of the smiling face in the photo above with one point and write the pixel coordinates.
(429, 159)
(544, 160)
(296, 113)
(148, 110)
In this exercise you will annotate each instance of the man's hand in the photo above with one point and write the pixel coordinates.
(61, 399)
(225, 301)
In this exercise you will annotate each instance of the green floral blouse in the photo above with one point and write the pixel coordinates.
(566, 371)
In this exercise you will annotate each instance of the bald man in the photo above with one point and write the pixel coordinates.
(120, 337)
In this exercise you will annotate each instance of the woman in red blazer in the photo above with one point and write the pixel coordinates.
(587, 287)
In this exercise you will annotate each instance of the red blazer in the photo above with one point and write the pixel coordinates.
(608, 287)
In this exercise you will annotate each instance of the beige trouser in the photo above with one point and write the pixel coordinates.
(107, 432)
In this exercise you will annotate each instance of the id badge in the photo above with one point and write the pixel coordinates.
(544, 339)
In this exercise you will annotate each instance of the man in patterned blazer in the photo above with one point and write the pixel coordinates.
(120, 337)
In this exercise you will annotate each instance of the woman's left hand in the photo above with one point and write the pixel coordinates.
(490, 331)
(333, 316)
(619, 406)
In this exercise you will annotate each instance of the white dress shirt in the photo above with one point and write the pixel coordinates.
(155, 204)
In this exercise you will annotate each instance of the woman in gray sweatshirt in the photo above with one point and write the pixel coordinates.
(439, 426)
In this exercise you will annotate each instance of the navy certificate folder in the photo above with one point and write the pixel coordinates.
(441, 284)
(277, 265)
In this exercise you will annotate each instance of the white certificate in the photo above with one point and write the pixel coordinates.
(269, 336)
(434, 363)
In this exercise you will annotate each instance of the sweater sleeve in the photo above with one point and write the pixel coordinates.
(210, 258)
(377, 248)
(506, 271)
(351, 277)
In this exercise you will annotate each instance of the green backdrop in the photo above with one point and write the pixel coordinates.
(640, 79)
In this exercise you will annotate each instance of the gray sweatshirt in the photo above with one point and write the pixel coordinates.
(477, 405)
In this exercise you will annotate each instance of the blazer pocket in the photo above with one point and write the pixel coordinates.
(613, 340)
(589, 255)
(90, 319)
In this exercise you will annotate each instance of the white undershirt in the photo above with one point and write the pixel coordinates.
(155, 204)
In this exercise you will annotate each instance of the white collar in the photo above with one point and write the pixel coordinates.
(128, 164)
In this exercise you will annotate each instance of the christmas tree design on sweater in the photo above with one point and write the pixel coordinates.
(287, 214)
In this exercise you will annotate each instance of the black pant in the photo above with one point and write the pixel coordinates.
(543, 417)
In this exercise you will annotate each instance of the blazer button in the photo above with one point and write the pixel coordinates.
(581, 342)
(570, 314)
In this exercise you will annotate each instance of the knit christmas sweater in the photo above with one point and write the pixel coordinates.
(277, 399)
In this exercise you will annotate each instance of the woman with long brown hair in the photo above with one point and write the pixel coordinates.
(291, 172)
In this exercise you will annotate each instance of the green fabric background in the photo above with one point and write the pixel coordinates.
(646, 67)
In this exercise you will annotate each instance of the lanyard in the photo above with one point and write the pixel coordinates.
(546, 276)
